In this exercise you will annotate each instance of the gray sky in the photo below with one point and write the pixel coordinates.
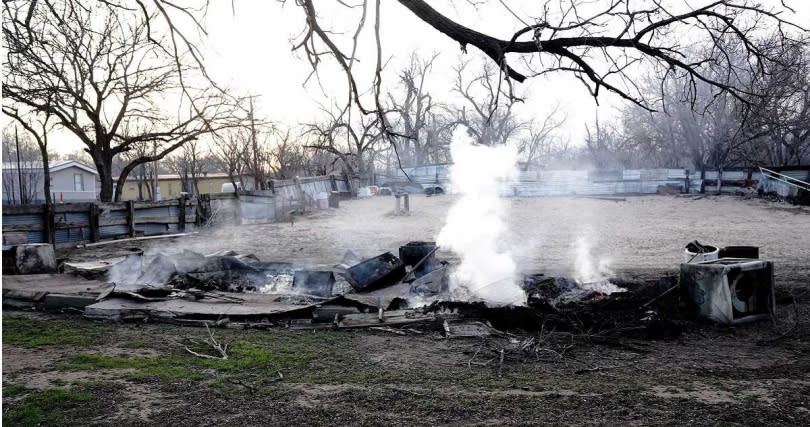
(249, 50)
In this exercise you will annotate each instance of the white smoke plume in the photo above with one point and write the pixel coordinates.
(592, 272)
(475, 228)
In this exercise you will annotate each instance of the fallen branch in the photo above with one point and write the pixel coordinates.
(280, 377)
(388, 329)
(222, 349)
(469, 362)
(243, 384)
(598, 368)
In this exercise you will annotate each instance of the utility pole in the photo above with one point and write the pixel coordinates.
(155, 187)
(257, 180)
(19, 169)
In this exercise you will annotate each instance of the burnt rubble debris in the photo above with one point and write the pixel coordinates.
(699, 248)
(375, 273)
(314, 282)
(420, 256)
(433, 283)
(390, 293)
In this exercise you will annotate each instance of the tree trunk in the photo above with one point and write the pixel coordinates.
(46, 175)
(233, 182)
(719, 179)
(106, 193)
(103, 162)
(122, 179)
(196, 185)
(19, 168)
(140, 181)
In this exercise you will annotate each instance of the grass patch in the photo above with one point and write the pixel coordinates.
(161, 367)
(302, 358)
(324, 357)
(14, 390)
(46, 406)
(31, 332)
(135, 344)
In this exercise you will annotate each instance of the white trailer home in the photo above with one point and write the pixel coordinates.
(71, 181)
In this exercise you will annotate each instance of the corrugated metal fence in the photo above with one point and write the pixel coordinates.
(73, 223)
(285, 198)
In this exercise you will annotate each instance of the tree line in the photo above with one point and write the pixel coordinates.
(106, 71)
(768, 126)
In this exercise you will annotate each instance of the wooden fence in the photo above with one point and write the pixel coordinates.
(75, 223)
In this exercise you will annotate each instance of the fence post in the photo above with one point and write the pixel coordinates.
(686, 181)
(203, 209)
(702, 180)
(300, 194)
(131, 217)
(181, 216)
(407, 201)
(349, 186)
(719, 180)
(48, 223)
(92, 216)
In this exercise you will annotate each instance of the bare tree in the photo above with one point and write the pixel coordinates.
(603, 44)
(79, 155)
(38, 126)
(416, 112)
(778, 132)
(230, 148)
(709, 137)
(21, 169)
(319, 162)
(542, 144)
(258, 157)
(102, 73)
(488, 110)
(604, 144)
(353, 143)
(145, 173)
(189, 163)
(288, 158)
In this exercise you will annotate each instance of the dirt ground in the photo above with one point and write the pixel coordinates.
(639, 233)
(62, 369)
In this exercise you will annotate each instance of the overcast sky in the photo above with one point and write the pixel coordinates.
(248, 49)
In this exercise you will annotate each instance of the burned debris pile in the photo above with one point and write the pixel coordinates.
(395, 293)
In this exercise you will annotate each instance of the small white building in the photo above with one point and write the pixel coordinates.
(71, 181)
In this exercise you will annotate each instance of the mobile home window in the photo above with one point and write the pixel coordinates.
(78, 182)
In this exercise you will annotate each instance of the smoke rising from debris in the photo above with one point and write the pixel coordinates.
(590, 271)
(475, 226)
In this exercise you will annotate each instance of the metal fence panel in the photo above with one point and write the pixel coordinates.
(110, 231)
(70, 235)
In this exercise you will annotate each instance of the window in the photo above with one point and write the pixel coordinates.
(131, 187)
(78, 182)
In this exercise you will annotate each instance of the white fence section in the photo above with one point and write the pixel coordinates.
(538, 183)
